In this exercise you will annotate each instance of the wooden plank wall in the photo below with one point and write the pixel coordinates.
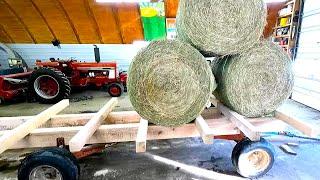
(81, 21)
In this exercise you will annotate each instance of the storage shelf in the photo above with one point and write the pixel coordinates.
(278, 27)
(288, 26)
(285, 15)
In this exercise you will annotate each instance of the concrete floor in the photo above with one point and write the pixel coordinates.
(80, 102)
(176, 158)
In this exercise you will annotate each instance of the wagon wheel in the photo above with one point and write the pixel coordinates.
(50, 163)
(49, 85)
(253, 159)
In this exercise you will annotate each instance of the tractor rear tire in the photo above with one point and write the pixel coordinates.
(115, 89)
(49, 85)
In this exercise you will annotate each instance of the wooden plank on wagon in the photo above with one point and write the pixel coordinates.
(307, 129)
(83, 136)
(245, 126)
(11, 137)
(141, 141)
(46, 137)
(61, 120)
(204, 130)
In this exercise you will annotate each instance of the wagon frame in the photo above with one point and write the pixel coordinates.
(85, 134)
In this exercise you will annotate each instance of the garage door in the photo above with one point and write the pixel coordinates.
(307, 64)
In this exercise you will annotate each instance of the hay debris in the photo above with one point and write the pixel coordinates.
(254, 83)
(221, 27)
(169, 83)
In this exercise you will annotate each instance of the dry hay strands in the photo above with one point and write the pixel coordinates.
(169, 83)
(254, 83)
(221, 27)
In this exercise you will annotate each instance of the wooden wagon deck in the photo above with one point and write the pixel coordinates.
(107, 127)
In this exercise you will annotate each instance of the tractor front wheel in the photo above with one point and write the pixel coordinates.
(49, 85)
(115, 89)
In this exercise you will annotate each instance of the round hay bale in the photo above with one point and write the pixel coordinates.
(221, 27)
(169, 83)
(254, 83)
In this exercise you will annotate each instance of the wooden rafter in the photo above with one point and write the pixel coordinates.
(6, 34)
(69, 21)
(20, 20)
(116, 17)
(44, 19)
(91, 15)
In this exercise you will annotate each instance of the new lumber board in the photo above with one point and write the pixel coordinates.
(307, 129)
(141, 141)
(9, 138)
(204, 130)
(46, 137)
(243, 124)
(120, 117)
(81, 138)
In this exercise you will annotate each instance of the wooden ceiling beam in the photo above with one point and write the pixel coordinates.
(130, 22)
(44, 19)
(69, 21)
(6, 34)
(171, 7)
(116, 17)
(91, 15)
(20, 20)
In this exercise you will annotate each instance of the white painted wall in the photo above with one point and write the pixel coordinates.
(3, 60)
(122, 53)
(307, 64)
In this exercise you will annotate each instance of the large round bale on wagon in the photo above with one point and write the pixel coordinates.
(169, 83)
(221, 26)
(254, 83)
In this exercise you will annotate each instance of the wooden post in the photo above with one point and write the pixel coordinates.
(244, 125)
(11, 137)
(308, 129)
(141, 140)
(83, 136)
(204, 130)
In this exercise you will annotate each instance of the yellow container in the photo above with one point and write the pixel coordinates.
(283, 21)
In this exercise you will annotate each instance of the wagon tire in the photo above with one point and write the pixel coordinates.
(49, 85)
(253, 159)
(49, 163)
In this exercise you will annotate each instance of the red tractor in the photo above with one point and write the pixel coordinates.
(51, 81)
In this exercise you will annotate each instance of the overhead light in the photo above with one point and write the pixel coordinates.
(120, 1)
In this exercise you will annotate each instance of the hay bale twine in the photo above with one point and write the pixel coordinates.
(254, 83)
(169, 83)
(221, 27)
